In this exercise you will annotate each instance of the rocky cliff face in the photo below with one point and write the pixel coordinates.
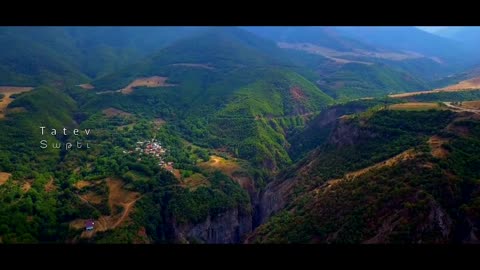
(348, 133)
(276, 195)
(344, 132)
(273, 199)
(226, 228)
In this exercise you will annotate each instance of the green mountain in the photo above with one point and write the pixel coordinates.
(409, 39)
(229, 90)
(37, 55)
(41, 198)
(385, 176)
(319, 35)
(26, 62)
(346, 67)
(233, 135)
(358, 80)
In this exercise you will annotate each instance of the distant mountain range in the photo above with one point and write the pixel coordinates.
(37, 55)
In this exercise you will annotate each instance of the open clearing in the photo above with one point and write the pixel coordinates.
(416, 106)
(218, 163)
(86, 86)
(297, 93)
(112, 112)
(4, 177)
(151, 82)
(436, 144)
(473, 105)
(8, 91)
(81, 184)
(195, 181)
(155, 81)
(341, 57)
(230, 168)
(118, 198)
(471, 84)
(92, 198)
(50, 186)
(27, 186)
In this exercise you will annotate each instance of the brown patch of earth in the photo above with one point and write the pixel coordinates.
(195, 181)
(118, 195)
(340, 57)
(8, 91)
(111, 112)
(26, 186)
(119, 198)
(176, 173)
(155, 81)
(471, 84)
(244, 181)
(230, 168)
(86, 86)
(92, 198)
(16, 110)
(221, 164)
(50, 186)
(297, 93)
(473, 105)
(4, 177)
(81, 184)
(436, 144)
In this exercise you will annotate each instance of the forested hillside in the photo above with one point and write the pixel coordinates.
(237, 135)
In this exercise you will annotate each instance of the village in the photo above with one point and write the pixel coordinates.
(152, 148)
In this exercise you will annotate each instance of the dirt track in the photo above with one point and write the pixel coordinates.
(463, 109)
(405, 155)
(118, 197)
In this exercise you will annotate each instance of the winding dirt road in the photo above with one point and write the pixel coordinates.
(449, 104)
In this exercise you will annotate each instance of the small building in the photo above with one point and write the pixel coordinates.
(89, 225)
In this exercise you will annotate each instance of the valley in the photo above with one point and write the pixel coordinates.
(231, 135)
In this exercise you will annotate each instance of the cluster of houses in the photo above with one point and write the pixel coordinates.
(153, 148)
